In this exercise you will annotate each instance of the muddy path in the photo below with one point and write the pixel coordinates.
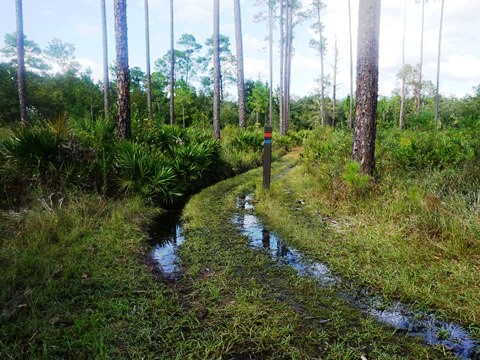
(219, 249)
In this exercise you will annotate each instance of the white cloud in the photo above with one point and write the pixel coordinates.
(252, 43)
(97, 69)
(464, 67)
(255, 68)
(88, 30)
(301, 62)
(78, 22)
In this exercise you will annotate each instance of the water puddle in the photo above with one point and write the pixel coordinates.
(261, 238)
(167, 235)
(400, 316)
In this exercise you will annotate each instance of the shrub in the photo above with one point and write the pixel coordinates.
(249, 141)
(99, 133)
(327, 145)
(353, 178)
(198, 164)
(47, 156)
(145, 173)
(413, 151)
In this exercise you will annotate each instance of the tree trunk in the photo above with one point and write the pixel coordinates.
(288, 64)
(418, 90)
(216, 69)
(285, 67)
(106, 81)
(242, 116)
(147, 56)
(183, 116)
(401, 121)
(270, 45)
(123, 71)
(322, 76)
(350, 113)
(282, 66)
(437, 97)
(172, 67)
(363, 149)
(22, 93)
(334, 95)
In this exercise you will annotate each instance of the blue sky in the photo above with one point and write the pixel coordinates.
(78, 22)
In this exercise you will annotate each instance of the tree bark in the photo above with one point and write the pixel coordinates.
(401, 121)
(350, 113)
(106, 81)
(147, 56)
(322, 75)
(363, 149)
(282, 66)
(123, 72)
(418, 90)
(437, 97)
(216, 69)
(22, 93)
(270, 42)
(288, 63)
(242, 115)
(172, 67)
(334, 95)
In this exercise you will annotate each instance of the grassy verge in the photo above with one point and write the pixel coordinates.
(398, 237)
(249, 307)
(75, 284)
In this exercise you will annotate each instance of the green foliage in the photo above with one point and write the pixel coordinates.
(36, 147)
(285, 143)
(8, 90)
(45, 156)
(99, 133)
(328, 145)
(353, 178)
(242, 149)
(161, 137)
(33, 53)
(144, 172)
(258, 101)
(248, 140)
(163, 165)
(198, 164)
(417, 150)
(423, 122)
(63, 55)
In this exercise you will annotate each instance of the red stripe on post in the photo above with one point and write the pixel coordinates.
(268, 135)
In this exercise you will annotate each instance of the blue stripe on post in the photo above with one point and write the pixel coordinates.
(268, 141)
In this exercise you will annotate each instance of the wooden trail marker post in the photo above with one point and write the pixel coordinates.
(267, 157)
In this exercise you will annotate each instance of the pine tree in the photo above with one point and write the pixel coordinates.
(22, 93)
(106, 84)
(216, 69)
(363, 149)
(147, 56)
(123, 71)
(240, 73)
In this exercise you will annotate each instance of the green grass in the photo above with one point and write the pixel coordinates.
(265, 311)
(408, 236)
(75, 283)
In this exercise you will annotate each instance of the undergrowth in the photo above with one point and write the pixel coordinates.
(163, 164)
(412, 233)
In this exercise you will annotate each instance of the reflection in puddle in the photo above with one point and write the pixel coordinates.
(245, 202)
(167, 234)
(262, 238)
(402, 317)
